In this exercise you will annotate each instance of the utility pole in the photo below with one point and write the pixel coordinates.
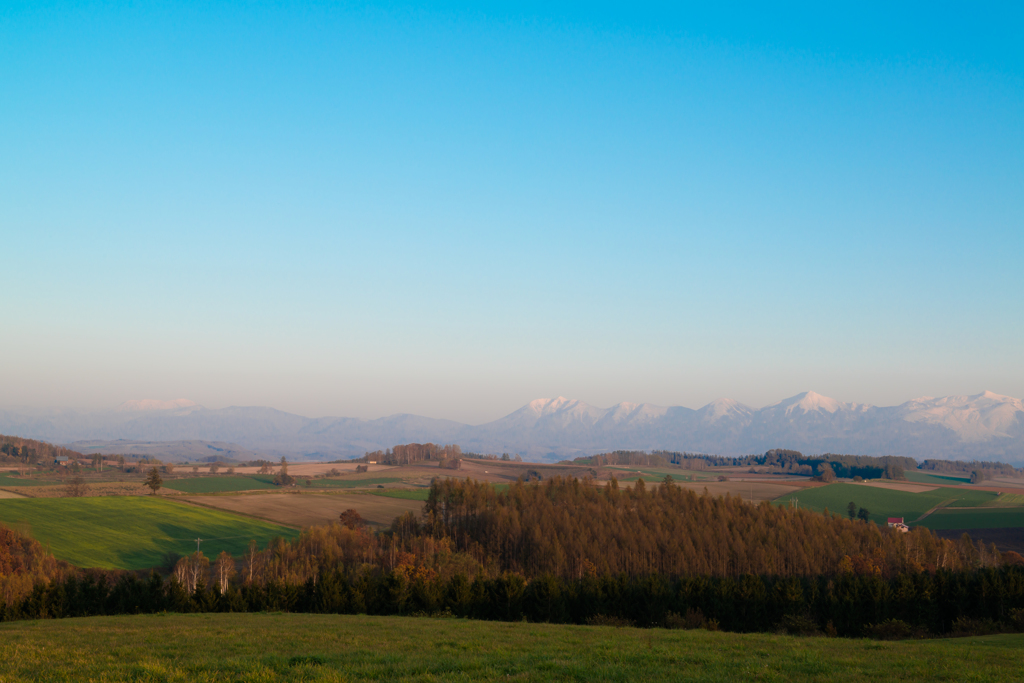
(198, 541)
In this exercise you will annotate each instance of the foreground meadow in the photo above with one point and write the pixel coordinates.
(302, 647)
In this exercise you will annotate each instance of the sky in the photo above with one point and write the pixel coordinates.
(451, 209)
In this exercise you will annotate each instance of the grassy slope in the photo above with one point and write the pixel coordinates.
(298, 647)
(919, 477)
(132, 532)
(883, 503)
(220, 484)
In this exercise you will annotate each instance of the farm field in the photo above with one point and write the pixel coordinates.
(976, 518)
(404, 494)
(12, 481)
(306, 647)
(220, 483)
(882, 503)
(131, 532)
(352, 483)
(920, 477)
(302, 509)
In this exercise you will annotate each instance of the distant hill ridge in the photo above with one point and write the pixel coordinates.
(984, 426)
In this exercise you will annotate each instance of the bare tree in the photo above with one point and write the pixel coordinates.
(225, 568)
(181, 571)
(197, 564)
(252, 557)
(76, 488)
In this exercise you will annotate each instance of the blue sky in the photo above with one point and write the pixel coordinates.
(445, 209)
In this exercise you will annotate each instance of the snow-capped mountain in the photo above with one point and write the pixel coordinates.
(984, 426)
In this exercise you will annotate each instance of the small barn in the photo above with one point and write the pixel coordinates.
(897, 524)
(61, 460)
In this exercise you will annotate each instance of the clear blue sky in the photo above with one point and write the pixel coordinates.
(445, 209)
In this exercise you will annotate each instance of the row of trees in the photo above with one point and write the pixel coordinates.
(414, 452)
(827, 466)
(984, 470)
(983, 600)
(30, 451)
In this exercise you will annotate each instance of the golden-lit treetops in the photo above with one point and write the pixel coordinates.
(569, 527)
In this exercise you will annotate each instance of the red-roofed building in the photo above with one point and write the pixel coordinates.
(897, 524)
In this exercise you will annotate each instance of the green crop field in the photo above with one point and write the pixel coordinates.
(220, 484)
(8, 480)
(1008, 500)
(352, 483)
(919, 477)
(976, 518)
(307, 647)
(883, 503)
(404, 494)
(132, 532)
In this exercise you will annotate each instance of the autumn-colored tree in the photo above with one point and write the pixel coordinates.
(351, 519)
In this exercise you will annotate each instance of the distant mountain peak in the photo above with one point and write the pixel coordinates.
(722, 408)
(155, 404)
(808, 402)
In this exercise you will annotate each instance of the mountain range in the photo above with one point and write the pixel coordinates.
(984, 426)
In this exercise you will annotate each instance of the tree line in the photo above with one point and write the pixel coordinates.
(414, 452)
(30, 451)
(946, 602)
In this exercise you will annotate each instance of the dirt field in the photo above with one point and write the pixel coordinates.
(305, 469)
(897, 486)
(10, 494)
(119, 488)
(306, 509)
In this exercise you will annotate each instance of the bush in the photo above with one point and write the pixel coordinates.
(693, 619)
(798, 625)
(890, 629)
(602, 620)
(965, 626)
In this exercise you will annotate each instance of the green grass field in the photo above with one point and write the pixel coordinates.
(305, 647)
(132, 532)
(977, 518)
(404, 494)
(352, 483)
(221, 484)
(883, 503)
(919, 477)
(8, 480)
(1008, 500)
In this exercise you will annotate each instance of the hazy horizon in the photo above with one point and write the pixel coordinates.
(450, 211)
